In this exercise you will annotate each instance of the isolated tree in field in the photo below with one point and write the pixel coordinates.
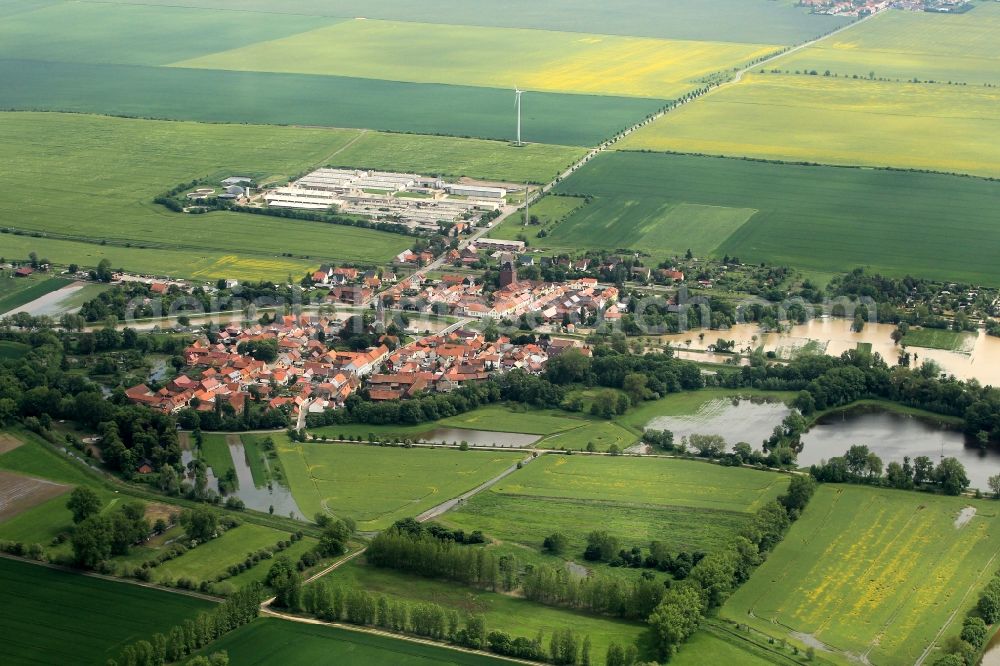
(556, 543)
(994, 484)
(83, 503)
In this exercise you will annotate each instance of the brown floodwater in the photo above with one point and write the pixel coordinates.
(980, 360)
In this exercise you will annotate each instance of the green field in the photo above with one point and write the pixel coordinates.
(377, 486)
(12, 350)
(757, 21)
(549, 211)
(817, 218)
(50, 616)
(84, 187)
(462, 55)
(215, 452)
(938, 338)
(688, 505)
(448, 156)
(836, 121)
(213, 557)
(217, 96)
(873, 572)
(270, 640)
(906, 45)
(17, 291)
(513, 615)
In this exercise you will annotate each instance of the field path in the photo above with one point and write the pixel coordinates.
(433, 513)
(344, 147)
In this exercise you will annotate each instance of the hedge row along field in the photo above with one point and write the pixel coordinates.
(816, 218)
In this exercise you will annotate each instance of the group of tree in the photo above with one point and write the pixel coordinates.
(861, 465)
(683, 606)
(966, 648)
(98, 537)
(240, 608)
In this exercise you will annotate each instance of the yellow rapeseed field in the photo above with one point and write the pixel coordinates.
(495, 57)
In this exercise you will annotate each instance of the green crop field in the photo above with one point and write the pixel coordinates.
(533, 60)
(513, 615)
(713, 646)
(270, 640)
(959, 48)
(377, 486)
(549, 211)
(873, 572)
(757, 21)
(84, 187)
(500, 418)
(448, 156)
(17, 291)
(689, 505)
(50, 616)
(217, 96)
(837, 121)
(815, 218)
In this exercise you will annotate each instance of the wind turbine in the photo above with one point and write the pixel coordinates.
(517, 102)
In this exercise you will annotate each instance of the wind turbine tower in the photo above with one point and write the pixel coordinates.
(517, 102)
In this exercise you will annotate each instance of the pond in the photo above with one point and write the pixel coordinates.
(186, 457)
(261, 498)
(892, 436)
(736, 420)
(510, 440)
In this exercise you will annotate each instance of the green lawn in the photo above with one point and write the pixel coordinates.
(17, 291)
(602, 434)
(712, 646)
(212, 558)
(34, 458)
(270, 640)
(258, 574)
(817, 218)
(513, 615)
(448, 156)
(939, 338)
(12, 350)
(550, 211)
(504, 419)
(377, 486)
(872, 571)
(255, 455)
(55, 617)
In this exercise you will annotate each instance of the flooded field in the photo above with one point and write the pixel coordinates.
(478, 437)
(261, 498)
(834, 337)
(893, 436)
(750, 421)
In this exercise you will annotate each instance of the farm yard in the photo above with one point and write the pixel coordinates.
(269, 639)
(837, 121)
(71, 618)
(377, 486)
(809, 217)
(534, 60)
(872, 573)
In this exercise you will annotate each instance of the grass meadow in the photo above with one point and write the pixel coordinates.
(937, 338)
(689, 505)
(70, 618)
(269, 640)
(378, 486)
(213, 557)
(810, 217)
(550, 210)
(755, 21)
(906, 45)
(215, 452)
(533, 60)
(837, 121)
(516, 616)
(872, 572)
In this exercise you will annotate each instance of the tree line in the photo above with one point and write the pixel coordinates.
(861, 465)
